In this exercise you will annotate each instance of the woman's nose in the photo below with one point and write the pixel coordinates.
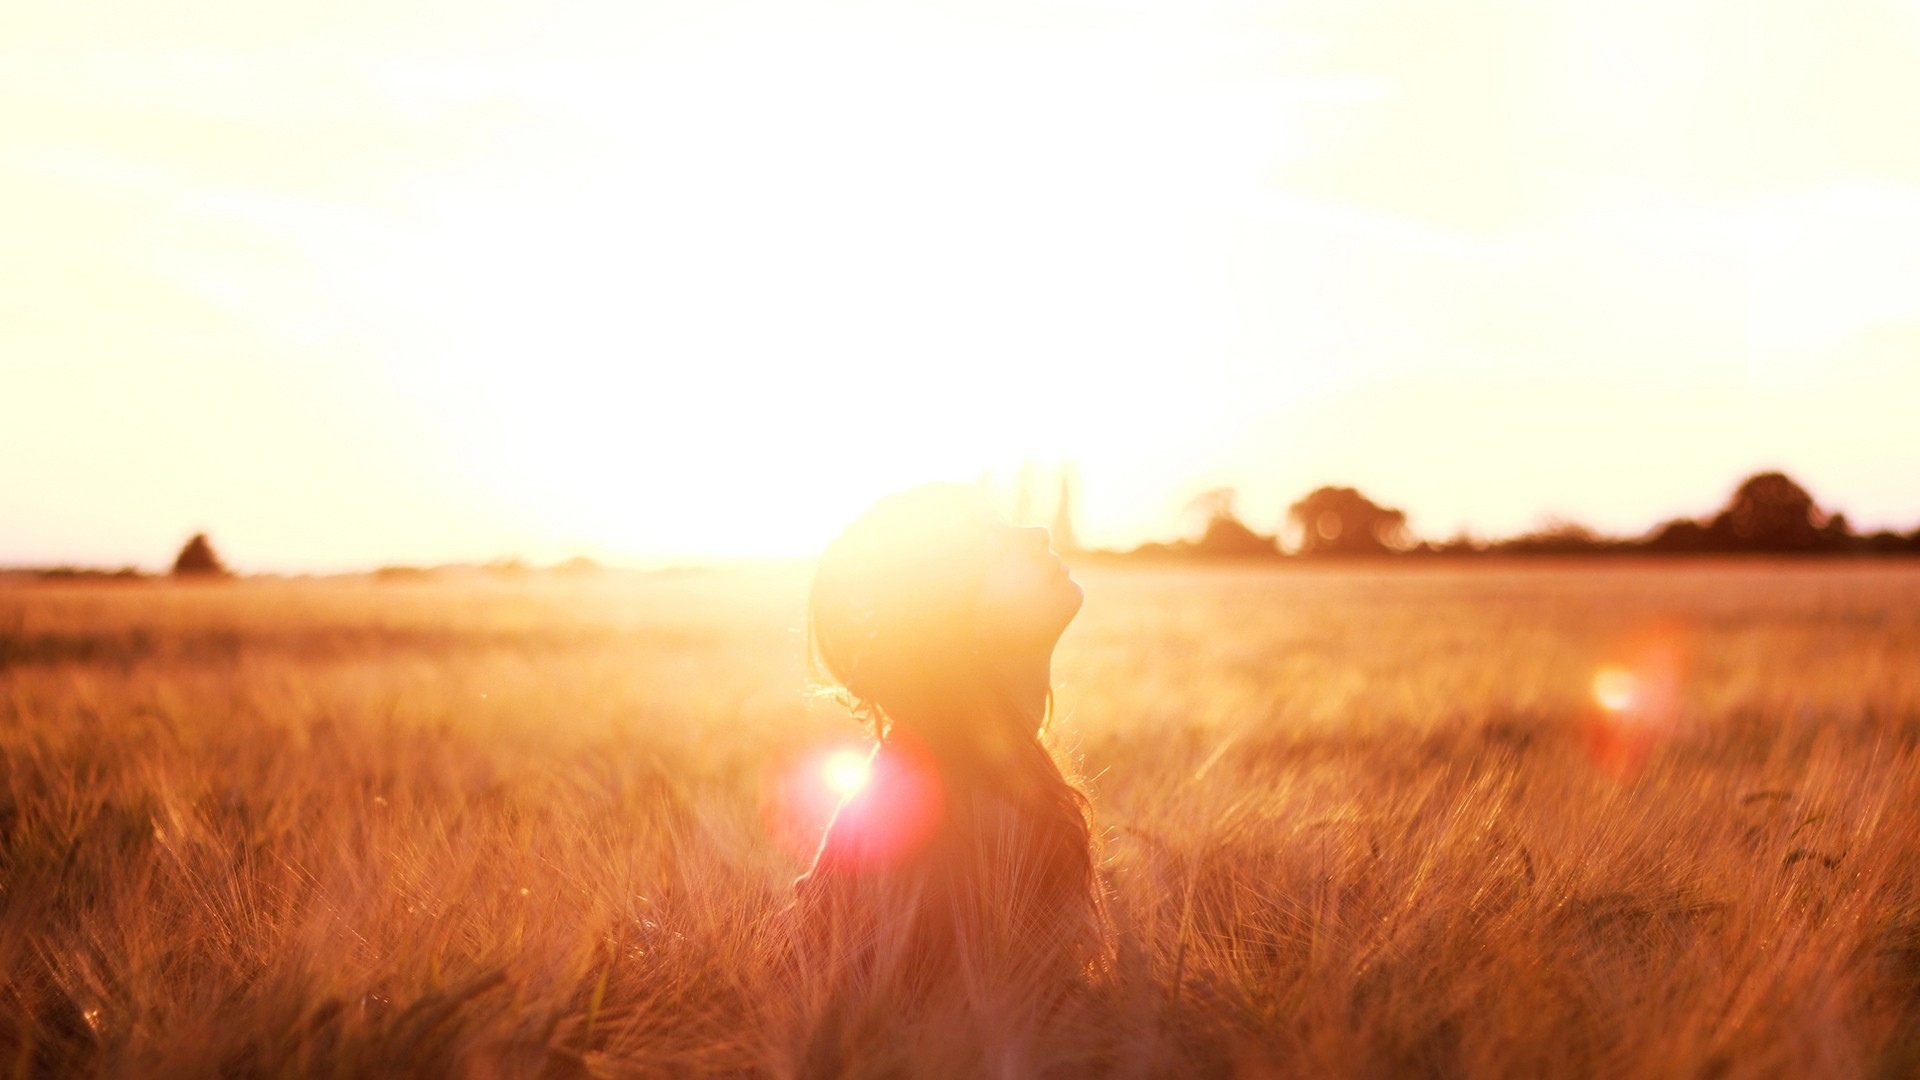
(1038, 538)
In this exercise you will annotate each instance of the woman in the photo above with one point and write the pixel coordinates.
(961, 870)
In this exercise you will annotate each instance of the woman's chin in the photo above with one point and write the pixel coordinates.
(1072, 596)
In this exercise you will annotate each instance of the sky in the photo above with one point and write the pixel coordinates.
(357, 283)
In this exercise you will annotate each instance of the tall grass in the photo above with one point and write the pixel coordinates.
(1358, 823)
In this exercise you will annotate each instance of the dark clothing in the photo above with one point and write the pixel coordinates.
(931, 898)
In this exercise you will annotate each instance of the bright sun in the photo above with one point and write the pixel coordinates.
(709, 321)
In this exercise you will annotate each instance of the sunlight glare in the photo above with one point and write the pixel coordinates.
(1615, 689)
(845, 771)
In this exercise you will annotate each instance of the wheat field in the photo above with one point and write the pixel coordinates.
(1529, 820)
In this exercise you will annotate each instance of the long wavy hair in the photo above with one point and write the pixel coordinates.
(895, 633)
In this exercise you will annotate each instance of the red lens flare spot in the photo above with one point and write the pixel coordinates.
(1639, 699)
(860, 808)
(892, 813)
(798, 796)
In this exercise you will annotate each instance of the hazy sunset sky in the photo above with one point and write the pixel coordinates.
(366, 282)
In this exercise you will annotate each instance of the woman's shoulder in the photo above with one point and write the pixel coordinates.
(888, 820)
(911, 815)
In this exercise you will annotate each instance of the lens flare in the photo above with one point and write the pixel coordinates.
(1615, 689)
(1639, 697)
(801, 792)
(845, 771)
(881, 806)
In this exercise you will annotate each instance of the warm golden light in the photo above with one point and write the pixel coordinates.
(643, 286)
(1615, 689)
(845, 771)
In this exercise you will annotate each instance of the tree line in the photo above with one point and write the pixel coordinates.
(1768, 513)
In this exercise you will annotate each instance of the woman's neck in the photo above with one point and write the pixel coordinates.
(1026, 682)
(983, 723)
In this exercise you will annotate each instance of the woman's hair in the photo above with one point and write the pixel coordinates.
(892, 621)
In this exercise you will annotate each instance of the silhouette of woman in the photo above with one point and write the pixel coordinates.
(961, 869)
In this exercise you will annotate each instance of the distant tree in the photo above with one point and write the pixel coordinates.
(1556, 536)
(1769, 512)
(1681, 536)
(1023, 496)
(1459, 544)
(1063, 511)
(198, 559)
(1341, 521)
(1837, 534)
(1884, 542)
(1212, 505)
(1223, 533)
(1229, 535)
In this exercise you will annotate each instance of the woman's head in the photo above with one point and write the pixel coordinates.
(929, 602)
(939, 621)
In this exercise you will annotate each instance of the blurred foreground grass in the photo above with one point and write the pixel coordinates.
(1359, 823)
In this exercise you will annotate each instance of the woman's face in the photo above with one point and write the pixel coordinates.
(1026, 597)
